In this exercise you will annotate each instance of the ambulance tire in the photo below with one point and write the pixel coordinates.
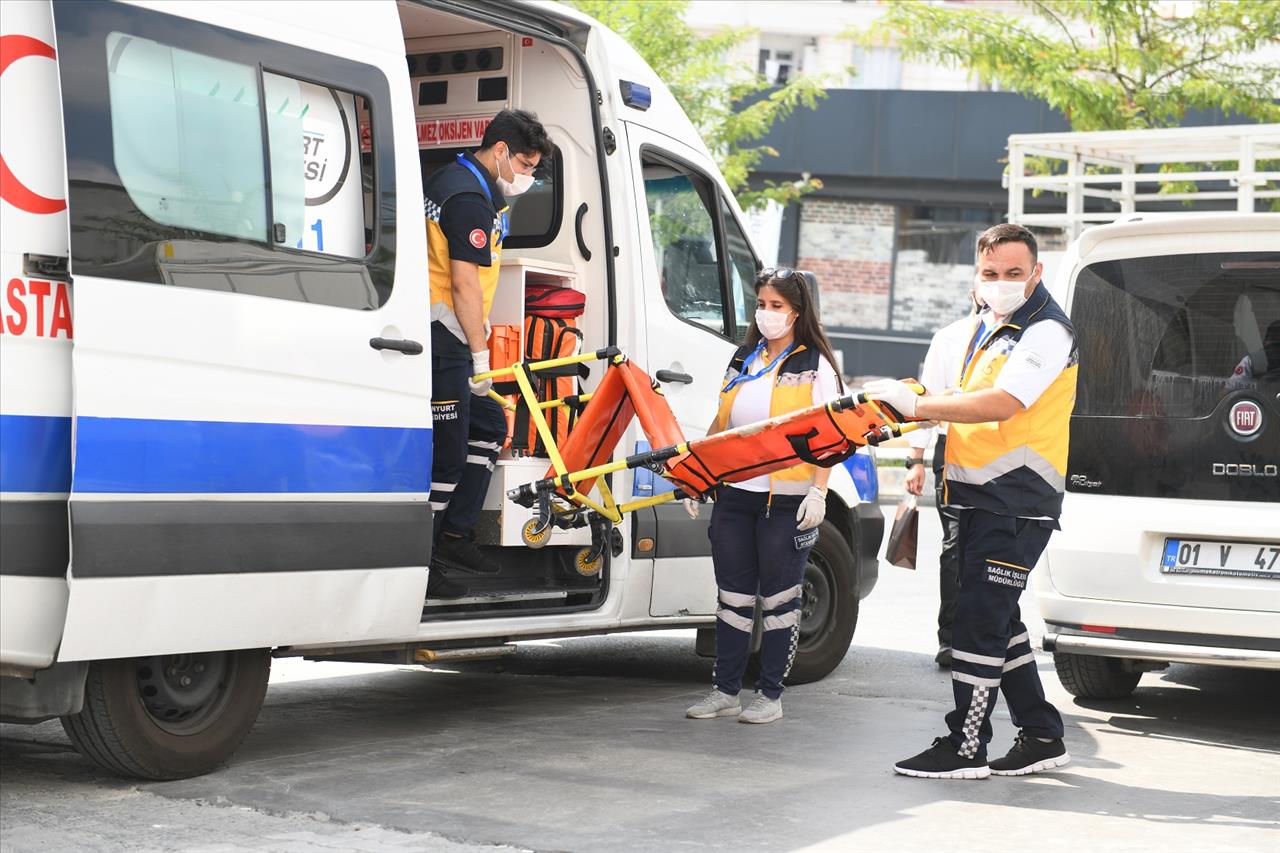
(829, 607)
(138, 723)
(1093, 677)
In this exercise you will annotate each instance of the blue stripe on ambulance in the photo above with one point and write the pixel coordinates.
(137, 456)
(128, 455)
(35, 454)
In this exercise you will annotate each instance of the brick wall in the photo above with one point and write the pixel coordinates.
(928, 296)
(849, 247)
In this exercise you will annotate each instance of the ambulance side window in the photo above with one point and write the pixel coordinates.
(187, 135)
(680, 203)
(742, 270)
(222, 164)
(318, 183)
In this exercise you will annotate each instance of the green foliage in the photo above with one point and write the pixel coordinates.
(731, 105)
(1107, 64)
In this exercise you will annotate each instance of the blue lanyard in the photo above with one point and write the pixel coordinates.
(980, 337)
(484, 185)
(751, 377)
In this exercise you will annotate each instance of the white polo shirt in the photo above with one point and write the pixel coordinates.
(942, 366)
(752, 406)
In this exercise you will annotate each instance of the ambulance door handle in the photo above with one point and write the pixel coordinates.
(577, 232)
(672, 376)
(405, 346)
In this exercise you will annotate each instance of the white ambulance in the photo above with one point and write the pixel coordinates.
(216, 433)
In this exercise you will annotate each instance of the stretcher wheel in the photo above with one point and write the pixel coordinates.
(584, 565)
(532, 536)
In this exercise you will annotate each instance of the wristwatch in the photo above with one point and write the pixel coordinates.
(911, 463)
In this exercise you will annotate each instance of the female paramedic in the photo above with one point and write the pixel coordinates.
(763, 529)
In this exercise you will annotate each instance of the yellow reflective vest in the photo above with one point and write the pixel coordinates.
(1017, 467)
(793, 383)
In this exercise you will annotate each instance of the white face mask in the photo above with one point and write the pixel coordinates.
(1002, 297)
(773, 324)
(518, 185)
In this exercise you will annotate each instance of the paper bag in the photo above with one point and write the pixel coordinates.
(903, 536)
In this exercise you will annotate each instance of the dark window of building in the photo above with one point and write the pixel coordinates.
(945, 235)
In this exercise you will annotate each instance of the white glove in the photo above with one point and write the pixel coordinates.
(895, 393)
(692, 507)
(480, 364)
(812, 509)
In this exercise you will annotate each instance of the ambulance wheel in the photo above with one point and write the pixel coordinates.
(169, 716)
(530, 536)
(585, 566)
(828, 607)
(1093, 677)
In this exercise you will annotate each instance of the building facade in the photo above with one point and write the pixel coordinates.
(911, 159)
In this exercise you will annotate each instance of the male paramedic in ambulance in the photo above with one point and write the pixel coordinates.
(1006, 463)
(466, 212)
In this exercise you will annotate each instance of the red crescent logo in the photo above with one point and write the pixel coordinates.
(12, 190)
(478, 238)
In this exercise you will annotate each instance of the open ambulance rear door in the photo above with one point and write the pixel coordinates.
(251, 430)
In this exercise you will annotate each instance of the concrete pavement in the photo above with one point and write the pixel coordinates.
(581, 745)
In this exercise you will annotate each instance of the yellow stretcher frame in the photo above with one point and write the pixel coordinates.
(564, 484)
(535, 534)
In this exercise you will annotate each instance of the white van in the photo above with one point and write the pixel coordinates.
(1170, 541)
(223, 453)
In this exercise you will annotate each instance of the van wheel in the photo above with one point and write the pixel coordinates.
(828, 607)
(169, 716)
(1092, 677)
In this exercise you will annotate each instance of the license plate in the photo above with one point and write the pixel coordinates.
(1226, 559)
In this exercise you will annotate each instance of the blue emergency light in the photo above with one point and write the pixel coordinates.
(635, 95)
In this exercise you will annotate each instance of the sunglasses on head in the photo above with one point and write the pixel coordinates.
(770, 273)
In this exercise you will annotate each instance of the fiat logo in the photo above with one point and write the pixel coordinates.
(1245, 417)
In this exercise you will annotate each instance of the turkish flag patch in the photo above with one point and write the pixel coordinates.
(478, 238)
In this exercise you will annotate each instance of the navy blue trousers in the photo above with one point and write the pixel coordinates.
(758, 553)
(467, 433)
(990, 646)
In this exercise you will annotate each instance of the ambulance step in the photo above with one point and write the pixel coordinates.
(506, 597)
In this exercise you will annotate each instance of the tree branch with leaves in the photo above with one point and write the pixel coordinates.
(731, 105)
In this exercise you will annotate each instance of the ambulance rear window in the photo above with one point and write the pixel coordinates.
(1171, 336)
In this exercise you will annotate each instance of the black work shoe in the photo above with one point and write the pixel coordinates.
(466, 555)
(943, 657)
(1031, 755)
(943, 761)
(439, 586)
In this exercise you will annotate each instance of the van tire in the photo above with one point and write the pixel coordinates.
(1093, 677)
(829, 607)
(140, 721)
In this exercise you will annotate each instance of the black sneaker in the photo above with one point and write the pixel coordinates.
(439, 586)
(466, 555)
(943, 761)
(1031, 755)
(943, 657)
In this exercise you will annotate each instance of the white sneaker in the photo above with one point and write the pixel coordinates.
(762, 710)
(715, 704)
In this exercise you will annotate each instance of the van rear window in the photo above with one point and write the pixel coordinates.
(1172, 336)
